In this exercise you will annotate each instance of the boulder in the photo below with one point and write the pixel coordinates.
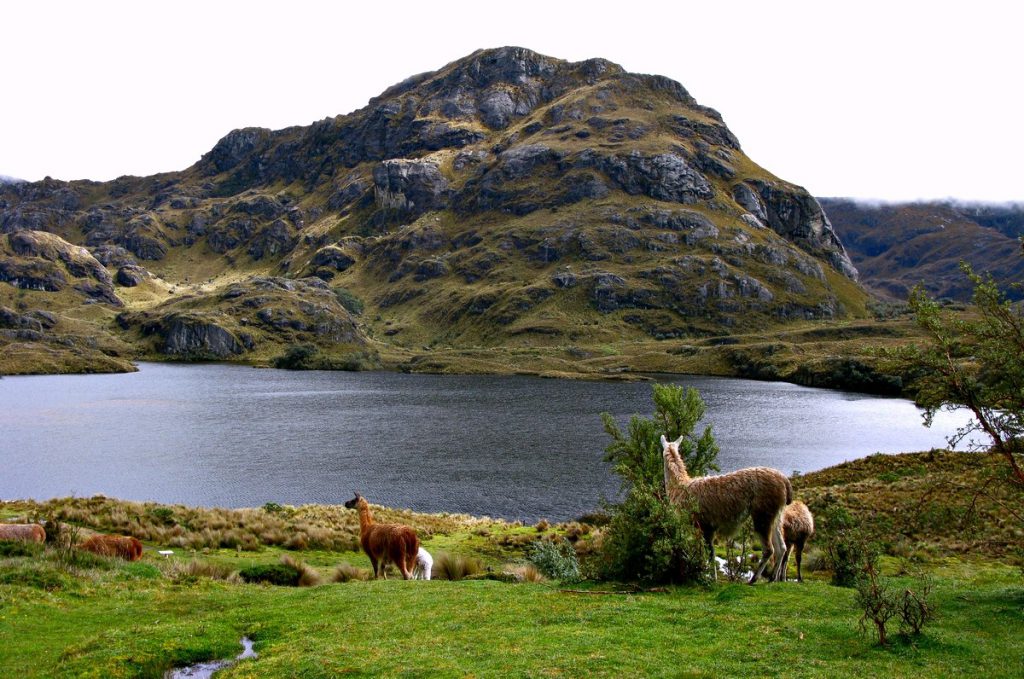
(130, 275)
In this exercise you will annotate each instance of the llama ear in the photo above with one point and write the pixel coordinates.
(664, 441)
(677, 441)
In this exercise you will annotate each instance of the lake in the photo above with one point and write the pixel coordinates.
(511, 447)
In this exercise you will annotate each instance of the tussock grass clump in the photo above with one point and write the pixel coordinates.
(308, 576)
(455, 566)
(526, 573)
(10, 548)
(346, 572)
(190, 571)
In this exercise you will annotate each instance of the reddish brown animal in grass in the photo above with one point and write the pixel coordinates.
(122, 546)
(384, 542)
(24, 532)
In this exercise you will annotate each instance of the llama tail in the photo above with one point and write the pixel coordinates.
(789, 491)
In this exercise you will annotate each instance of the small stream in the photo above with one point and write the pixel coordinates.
(205, 670)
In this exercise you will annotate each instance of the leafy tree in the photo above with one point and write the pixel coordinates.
(648, 538)
(975, 360)
(636, 455)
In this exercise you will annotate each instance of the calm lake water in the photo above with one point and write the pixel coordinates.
(513, 447)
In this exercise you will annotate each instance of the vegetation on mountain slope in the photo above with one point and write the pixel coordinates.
(508, 199)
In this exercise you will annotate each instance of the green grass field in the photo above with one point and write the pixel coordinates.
(63, 616)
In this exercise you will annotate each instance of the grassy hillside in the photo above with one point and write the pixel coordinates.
(95, 617)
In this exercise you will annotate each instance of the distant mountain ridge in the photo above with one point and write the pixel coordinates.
(506, 198)
(896, 246)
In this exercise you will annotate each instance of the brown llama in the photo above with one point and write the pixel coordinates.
(385, 542)
(24, 532)
(797, 528)
(721, 503)
(122, 546)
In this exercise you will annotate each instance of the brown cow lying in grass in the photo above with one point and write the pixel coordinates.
(25, 532)
(125, 547)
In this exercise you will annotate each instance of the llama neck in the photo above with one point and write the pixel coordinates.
(675, 469)
(365, 517)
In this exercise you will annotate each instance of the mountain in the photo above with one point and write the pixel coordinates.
(896, 246)
(506, 199)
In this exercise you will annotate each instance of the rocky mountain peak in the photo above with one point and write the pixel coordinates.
(503, 196)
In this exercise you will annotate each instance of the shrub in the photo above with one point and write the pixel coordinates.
(915, 606)
(272, 508)
(876, 600)
(879, 603)
(739, 567)
(297, 357)
(274, 574)
(352, 304)
(163, 516)
(455, 567)
(556, 560)
(847, 549)
(651, 540)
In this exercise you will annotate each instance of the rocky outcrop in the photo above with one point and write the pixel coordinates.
(797, 216)
(130, 275)
(37, 260)
(193, 337)
(410, 186)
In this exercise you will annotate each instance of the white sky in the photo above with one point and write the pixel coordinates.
(886, 100)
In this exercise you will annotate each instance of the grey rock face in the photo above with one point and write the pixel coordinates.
(797, 216)
(409, 185)
(235, 147)
(196, 338)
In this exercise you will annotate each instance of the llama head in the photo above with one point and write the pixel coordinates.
(673, 446)
(354, 502)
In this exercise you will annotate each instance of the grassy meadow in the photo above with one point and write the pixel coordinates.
(64, 613)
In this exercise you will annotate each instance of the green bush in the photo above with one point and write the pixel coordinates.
(651, 540)
(297, 357)
(274, 574)
(556, 560)
(352, 304)
(846, 546)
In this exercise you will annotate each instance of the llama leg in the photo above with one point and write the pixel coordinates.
(373, 563)
(762, 528)
(709, 540)
(799, 558)
(785, 563)
(403, 565)
(779, 547)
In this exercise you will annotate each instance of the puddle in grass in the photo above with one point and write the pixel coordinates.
(205, 670)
